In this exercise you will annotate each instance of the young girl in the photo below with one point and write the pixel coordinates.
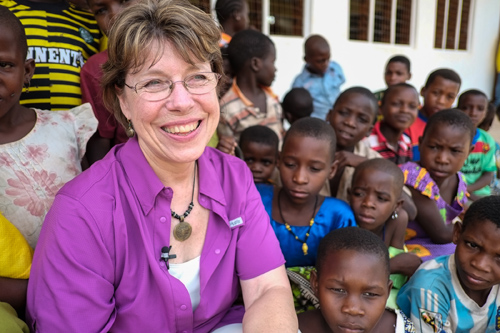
(437, 186)
(39, 150)
(375, 198)
(300, 216)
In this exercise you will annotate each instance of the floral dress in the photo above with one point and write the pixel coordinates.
(417, 241)
(35, 167)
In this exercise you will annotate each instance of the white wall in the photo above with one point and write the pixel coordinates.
(364, 62)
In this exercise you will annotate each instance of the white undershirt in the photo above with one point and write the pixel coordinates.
(189, 274)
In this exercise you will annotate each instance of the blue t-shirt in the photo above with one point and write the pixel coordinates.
(332, 214)
(435, 301)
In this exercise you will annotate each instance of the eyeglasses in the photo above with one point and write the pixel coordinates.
(156, 89)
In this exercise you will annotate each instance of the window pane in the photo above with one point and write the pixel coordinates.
(358, 21)
(202, 4)
(382, 23)
(287, 17)
(464, 25)
(438, 38)
(452, 24)
(255, 14)
(403, 21)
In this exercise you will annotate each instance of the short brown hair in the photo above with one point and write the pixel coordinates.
(193, 33)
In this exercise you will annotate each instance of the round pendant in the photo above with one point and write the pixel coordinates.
(182, 231)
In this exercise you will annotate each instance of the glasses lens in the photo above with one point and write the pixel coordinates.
(201, 83)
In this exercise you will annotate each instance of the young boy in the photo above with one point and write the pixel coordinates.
(351, 282)
(480, 167)
(320, 76)
(439, 93)
(297, 104)
(352, 118)
(459, 292)
(60, 38)
(399, 108)
(250, 101)
(259, 145)
(397, 70)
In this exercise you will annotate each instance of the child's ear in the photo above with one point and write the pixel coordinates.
(420, 140)
(255, 64)
(422, 91)
(29, 70)
(333, 169)
(330, 113)
(313, 280)
(457, 230)
(389, 287)
(399, 203)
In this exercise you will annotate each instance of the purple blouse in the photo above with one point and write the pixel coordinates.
(97, 268)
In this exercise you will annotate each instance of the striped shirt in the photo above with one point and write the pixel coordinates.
(60, 38)
(399, 155)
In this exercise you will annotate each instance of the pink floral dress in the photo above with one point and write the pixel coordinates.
(34, 168)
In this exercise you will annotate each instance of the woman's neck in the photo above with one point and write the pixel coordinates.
(391, 134)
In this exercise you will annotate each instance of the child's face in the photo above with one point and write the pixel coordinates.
(14, 71)
(400, 108)
(105, 10)
(476, 107)
(352, 119)
(267, 71)
(443, 151)
(352, 290)
(396, 72)
(261, 158)
(318, 59)
(241, 18)
(373, 198)
(440, 95)
(477, 256)
(305, 164)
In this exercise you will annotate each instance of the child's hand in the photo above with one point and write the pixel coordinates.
(405, 263)
(227, 144)
(346, 158)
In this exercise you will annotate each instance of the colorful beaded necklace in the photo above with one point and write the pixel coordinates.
(287, 226)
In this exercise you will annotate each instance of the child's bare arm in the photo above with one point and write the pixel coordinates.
(346, 158)
(481, 182)
(430, 219)
(405, 263)
(97, 148)
(13, 291)
(226, 144)
(409, 206)
(398, 229)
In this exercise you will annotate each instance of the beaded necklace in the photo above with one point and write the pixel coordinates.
(183, 230)
(287, 226)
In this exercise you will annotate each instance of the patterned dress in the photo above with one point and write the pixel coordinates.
(34, 168)
(417, 240)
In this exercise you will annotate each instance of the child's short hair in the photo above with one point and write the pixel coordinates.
(484, 209)
(313, 128)
(451, 117)
(260, 134)
(225, 8)
(355, 239)
(362, 91)
(383, 165)
(298, 102)
(315, 41)
(488, 119)
(8, 19)
(445, 73)
(245, 45)
(394, 86)
(473, 92)
(402, 59)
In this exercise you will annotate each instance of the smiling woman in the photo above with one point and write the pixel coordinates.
(162, 226)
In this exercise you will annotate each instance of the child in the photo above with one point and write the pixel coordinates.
(460, 292)
(259, 145)
(352, 284)
(375, 199)
(60, 38)
(300, 216)
(352, 118)
(297, 104)
(250, 101)
(39, 150)
(233, 17)
(485, 126)
(320, 76)
(397, 70)
(439, 93)
(109, 132)
(480, 167)
(399, 108)
(438, 188)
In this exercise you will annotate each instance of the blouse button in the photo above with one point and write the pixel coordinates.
(163, 219)
(162, 263)
(183, 307)
(217, 251)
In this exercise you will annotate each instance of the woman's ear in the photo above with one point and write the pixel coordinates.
(120, 94)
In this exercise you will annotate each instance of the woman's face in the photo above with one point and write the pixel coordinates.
(175, 129)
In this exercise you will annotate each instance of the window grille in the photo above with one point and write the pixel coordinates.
(452, 24)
